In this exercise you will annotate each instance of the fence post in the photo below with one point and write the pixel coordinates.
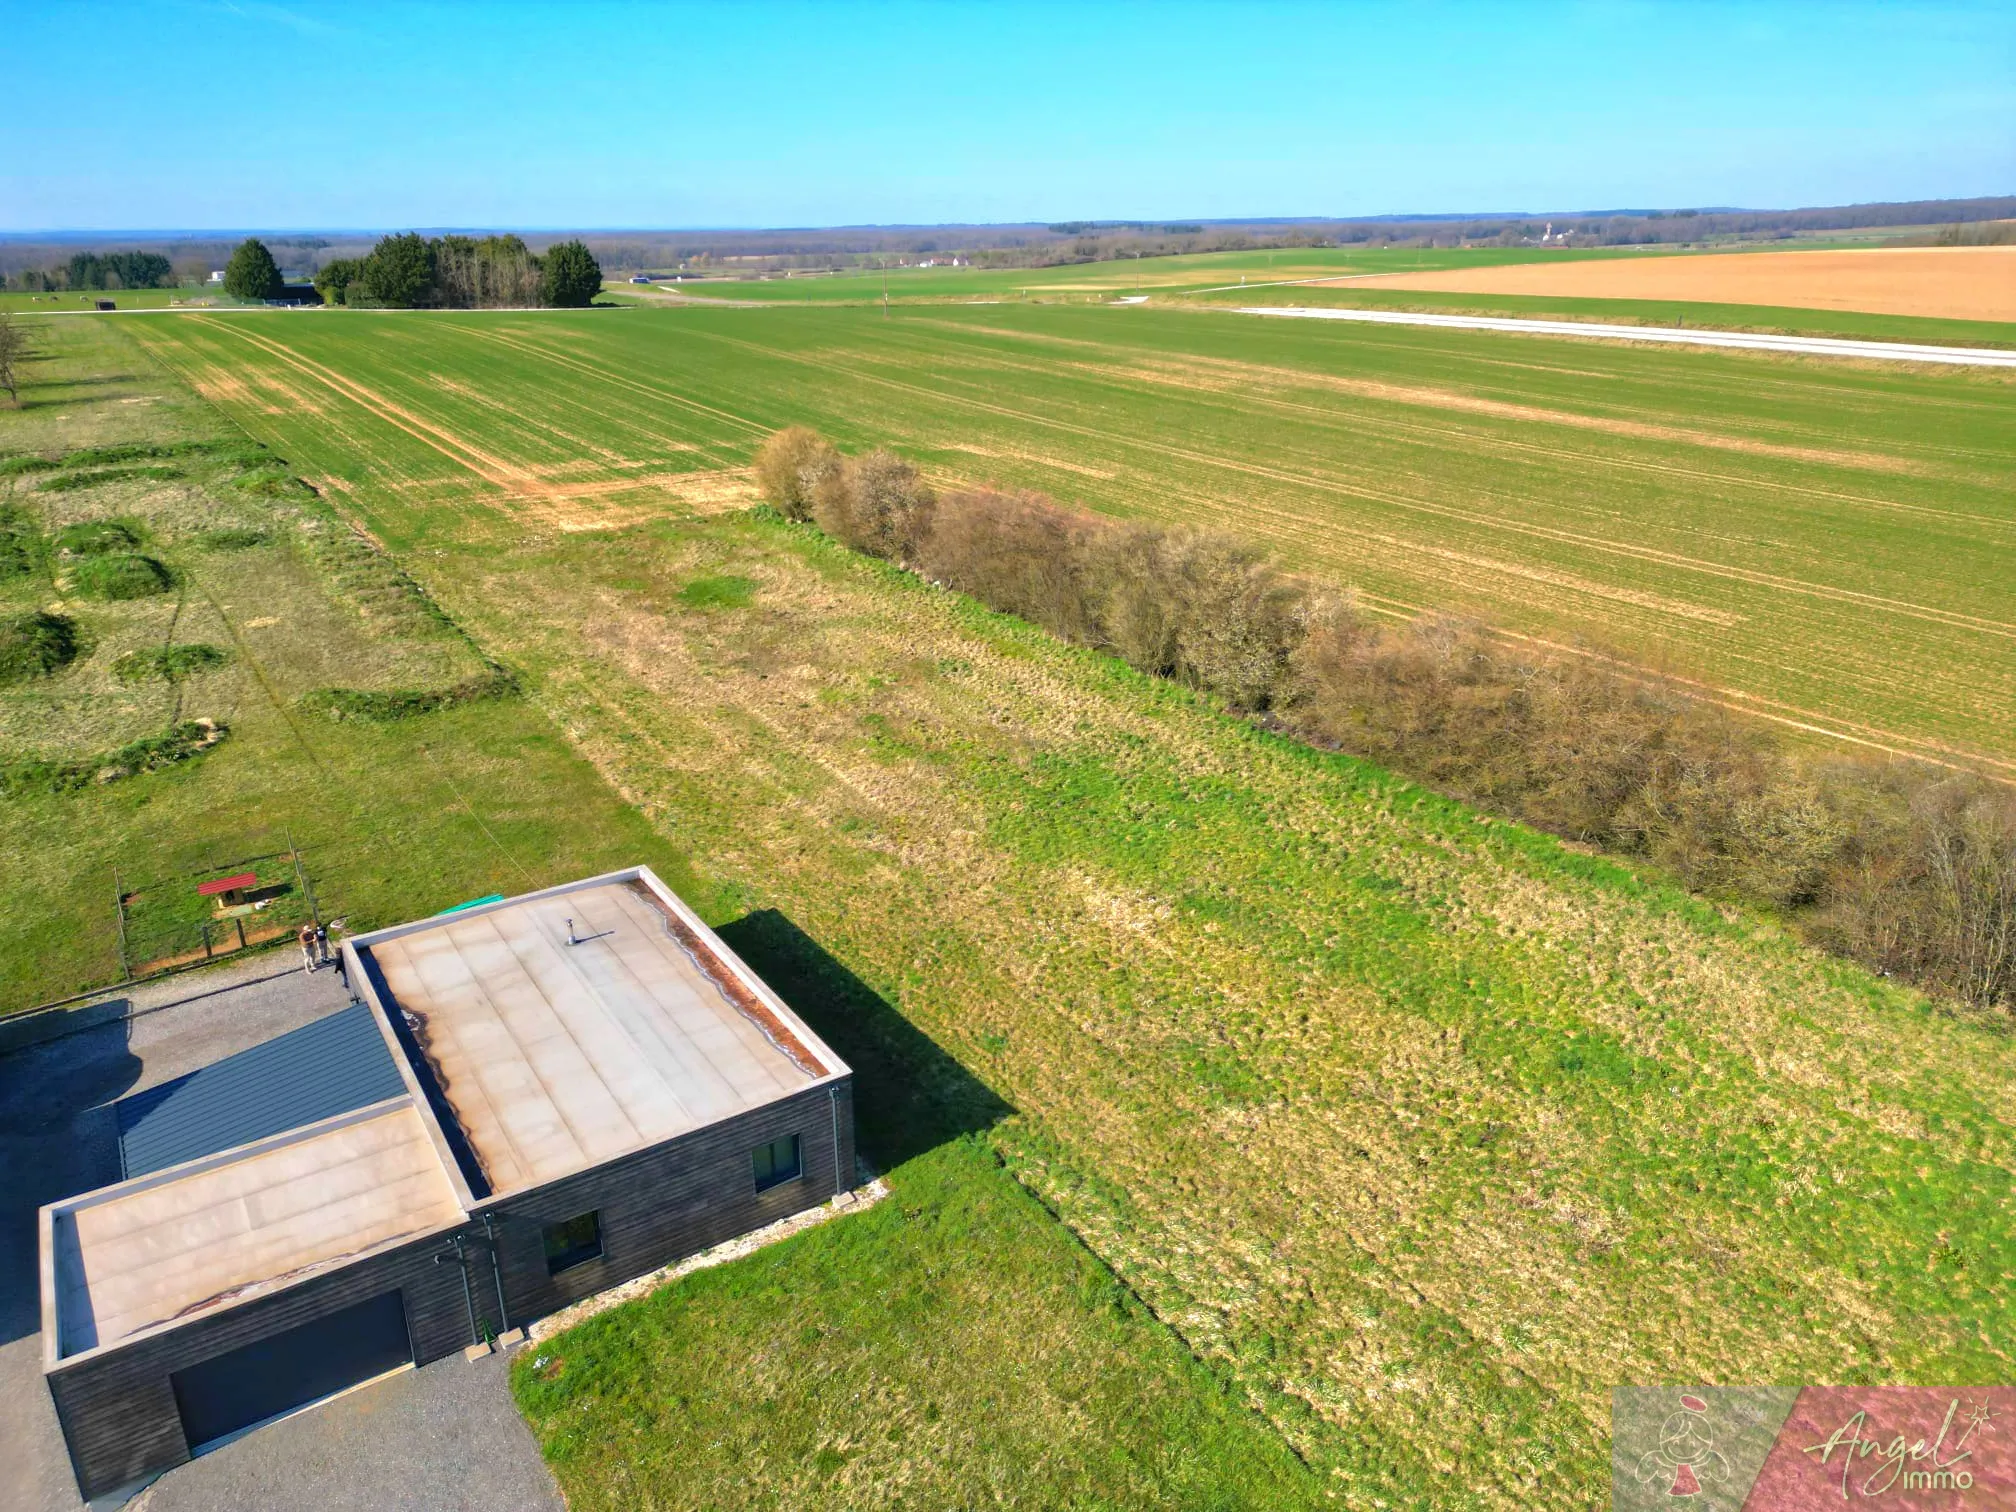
(119, 902)
(206, 940)
(241, 932)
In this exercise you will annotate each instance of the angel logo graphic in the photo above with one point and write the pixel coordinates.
(1686, 1459)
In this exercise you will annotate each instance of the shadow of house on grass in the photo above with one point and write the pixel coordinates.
(909, 1094)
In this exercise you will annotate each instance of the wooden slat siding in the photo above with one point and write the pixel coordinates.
(673, 1200)
(658, 1206)
(118, 1410)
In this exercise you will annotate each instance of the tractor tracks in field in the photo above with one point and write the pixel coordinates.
(1951, 619)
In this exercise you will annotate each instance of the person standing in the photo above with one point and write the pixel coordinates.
(322, 943)
(307, 942)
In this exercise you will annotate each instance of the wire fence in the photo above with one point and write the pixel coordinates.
(215, 901)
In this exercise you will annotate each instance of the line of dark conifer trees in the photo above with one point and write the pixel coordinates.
(98, 270)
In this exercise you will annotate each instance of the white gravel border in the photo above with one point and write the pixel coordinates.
(733, 1249)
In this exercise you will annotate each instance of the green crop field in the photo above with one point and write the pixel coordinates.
(1417, 1129)
(1818, 542)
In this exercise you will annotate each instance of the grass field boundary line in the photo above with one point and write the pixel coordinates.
(1950, 618)
(1799, 346)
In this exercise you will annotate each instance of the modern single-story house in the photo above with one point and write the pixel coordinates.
(530, 1101)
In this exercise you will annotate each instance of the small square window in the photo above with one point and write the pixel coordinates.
(569, 1244)
(777, 1162)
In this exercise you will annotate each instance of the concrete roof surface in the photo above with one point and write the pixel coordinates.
(556, 1056)
(204, 1236)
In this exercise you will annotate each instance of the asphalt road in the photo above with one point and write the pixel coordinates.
(1806, 346)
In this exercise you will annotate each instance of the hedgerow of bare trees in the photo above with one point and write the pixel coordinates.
(1906, 868)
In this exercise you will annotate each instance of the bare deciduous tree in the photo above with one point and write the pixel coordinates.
(13, 347)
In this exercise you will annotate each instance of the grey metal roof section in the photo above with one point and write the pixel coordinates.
(335, 1065)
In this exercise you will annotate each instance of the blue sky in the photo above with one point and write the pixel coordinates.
(187, 114)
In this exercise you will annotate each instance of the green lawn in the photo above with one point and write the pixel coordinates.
(951, 1347)
(1044, 1381)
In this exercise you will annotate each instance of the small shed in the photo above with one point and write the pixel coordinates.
(228, 891)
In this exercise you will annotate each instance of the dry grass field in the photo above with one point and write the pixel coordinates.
(1421, 1130)
(1952, 283)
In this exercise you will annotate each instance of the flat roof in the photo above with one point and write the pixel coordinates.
(195, 1238)
(554, 1046)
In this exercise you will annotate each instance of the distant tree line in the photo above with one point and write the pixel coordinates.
(1037, 245)
(120, 270)
(1981, 234)
(1906, 868)
(410, 271)
(99, 270)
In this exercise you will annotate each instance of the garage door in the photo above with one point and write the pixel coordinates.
(258, 1381)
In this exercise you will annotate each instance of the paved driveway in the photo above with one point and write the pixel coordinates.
(443, 1438)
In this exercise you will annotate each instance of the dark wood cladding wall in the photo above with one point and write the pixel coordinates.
(657, 1206)
(672, 1200)
(118, 1410)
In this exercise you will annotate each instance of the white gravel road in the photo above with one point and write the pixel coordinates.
(1809, 346)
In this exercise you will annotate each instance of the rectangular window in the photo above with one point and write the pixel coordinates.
(569, 1244)
(777, 1162)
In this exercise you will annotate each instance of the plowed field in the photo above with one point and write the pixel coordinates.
(1953, 283)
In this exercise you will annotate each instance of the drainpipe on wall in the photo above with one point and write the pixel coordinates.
(839, 1177)
(460, 1262)
(497, 1274)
